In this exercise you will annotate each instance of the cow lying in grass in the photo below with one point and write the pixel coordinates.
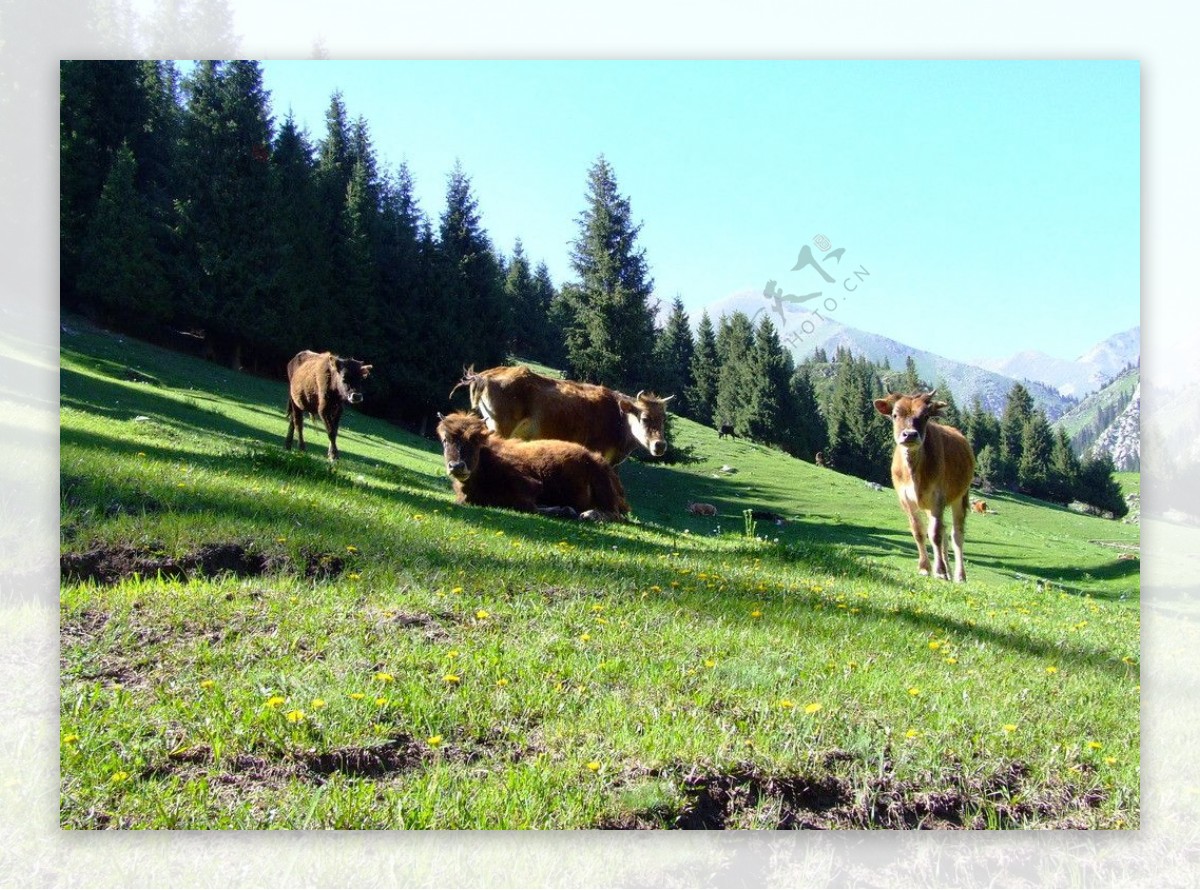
(932, 467)
(546, 476)
(321, 384)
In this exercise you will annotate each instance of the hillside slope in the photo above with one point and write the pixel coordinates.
(1109, 419)
(250, 638)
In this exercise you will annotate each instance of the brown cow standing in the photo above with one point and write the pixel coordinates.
(932, 466)
(519, 403)
(321, 384)
(545, 476)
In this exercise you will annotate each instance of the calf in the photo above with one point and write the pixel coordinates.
(979, 506)
(321, 384)
(699, 509)
(932, 466)
(726, 430)
(543, 476)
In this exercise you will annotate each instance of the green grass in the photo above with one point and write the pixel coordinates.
(395, 660)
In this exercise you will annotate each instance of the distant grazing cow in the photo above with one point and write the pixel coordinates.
(522, 404)
(545, 476)
(321, 384)
(979, 506)
(932, 466)
(821, 460)
(726, 430)
(698, 509)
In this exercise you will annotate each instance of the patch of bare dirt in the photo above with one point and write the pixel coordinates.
(747, 797)
(106, 564)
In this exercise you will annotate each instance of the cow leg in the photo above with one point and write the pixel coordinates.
(291, 411)
(299, 426)
(331, 428)
(937, 537)
(958, 511)
(918, 532)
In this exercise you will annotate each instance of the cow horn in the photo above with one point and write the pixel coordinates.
(667, 399)
(638, 397)
(441, 416)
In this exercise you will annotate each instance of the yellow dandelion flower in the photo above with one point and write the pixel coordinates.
(786, 703)
(351, 549)
(913, 690)
(756, 614)
(812, 707)
(1051, 669)
(950, 659)
(593, 765)
(119, 776)
(451, 678)
(481, 614)
(502, 682)
(457, 590)
(453, 653)
(654, 588)
(434, 740)
(353, 576)
(295, 716)
(935, 645)
(207, 684)
(275, 701)
(911, 734)
(70, 738)
(1010, 727)
(1095, 746)
(381, 701)
(384, 677)
(357, 696)
(1110, 760)
(709, 663)
(585, 637)
(318, 703)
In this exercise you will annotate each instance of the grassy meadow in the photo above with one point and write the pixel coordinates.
(251, 639)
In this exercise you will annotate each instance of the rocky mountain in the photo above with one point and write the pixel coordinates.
(966, 381)
(1109, 419)
(1086, 374)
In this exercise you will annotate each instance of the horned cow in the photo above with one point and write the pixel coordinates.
(545, 476)
(519, 403)
(322, 384)
(932, 467)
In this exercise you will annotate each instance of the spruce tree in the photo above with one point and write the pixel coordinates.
(547, 340)
(809, 432)
(1098, 488)
(473, 275)
(673, 351)
(1064, 468)
(910, 381)
(611, 337)
(122, 271)
(1017, 410)
(523, 314)
(767, 409)
(735, 341)
(1037, 443)
(705, 373)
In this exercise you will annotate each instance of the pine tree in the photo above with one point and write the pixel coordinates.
(1098, 488)
(524, 316)
(860, 442)
(122, 270)
(1017, 410)
(809, 433)
(547, 340)
(1065, 469)
(767, 409)
(673, 351)
(1037, 443)
(611, 338)
(225, 212)
(473, 274)
(910, 382)
(735, 341)
(705, 374)
(950, 415)
(986, 466)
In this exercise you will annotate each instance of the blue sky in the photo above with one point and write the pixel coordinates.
(995, 204)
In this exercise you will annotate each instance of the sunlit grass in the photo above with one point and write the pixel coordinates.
(407, 662)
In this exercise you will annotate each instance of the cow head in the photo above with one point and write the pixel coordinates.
(910, 416)
(350, 375)
(646, 415)
(462, 435)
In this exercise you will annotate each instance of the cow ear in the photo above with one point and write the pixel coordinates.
(627, 405)
(366, 370)
(885, 406)
(936, 408)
